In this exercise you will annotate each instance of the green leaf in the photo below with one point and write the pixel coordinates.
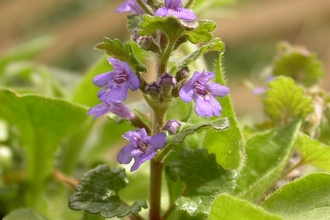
(313, 152)
(285, 101)
(97, 193)
(42, 123)
(227, 207)
(266, 156)
(169, 25)
(203, 178)
(86, 92)
(226, 145)
(26, 214)
(305, 198)
(200, 172)
(174, 28)
(186, 129)
(299, 64)
(133, 22)
(203, 33)
(123, 52)
(216, 44)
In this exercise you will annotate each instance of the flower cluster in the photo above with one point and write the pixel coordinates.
(114, 86)
(114, 90)
(171, 8)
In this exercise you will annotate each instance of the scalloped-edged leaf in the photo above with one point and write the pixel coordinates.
(42, 122)
(186, 129)
(169, 25)
(203, 178)
(226, 145)
(174, 28)
(26, 214)
(215, 44)
(200, 172)
(227, 207)
(285, 100)
(313, 152)
(305, 198)
(97, 193)
(203, 33)
(123, 52)
(266, 156)
(299, 64)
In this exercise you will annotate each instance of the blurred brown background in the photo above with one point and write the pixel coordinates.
(251, 30)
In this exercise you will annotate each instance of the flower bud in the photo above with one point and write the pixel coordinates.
(182, 74)
(172, 126)
(147, 43)
(153, 89)
(166, 80)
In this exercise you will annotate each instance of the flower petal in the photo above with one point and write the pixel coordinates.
(103, 79)
(217, 89)
(121, 110)
(117, 94)
(173, 4)
(133, 81)
(98, 110)
(157, 141)
(124, 155)
(130, 6)
(207, 106)
(182, 13)
(186, 92)
(162, 12)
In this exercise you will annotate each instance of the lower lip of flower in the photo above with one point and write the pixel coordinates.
(120, 78)
(199, 89)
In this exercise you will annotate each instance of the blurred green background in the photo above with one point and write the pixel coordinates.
(251, 30)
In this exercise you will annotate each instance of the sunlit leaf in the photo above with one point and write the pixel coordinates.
(313, 152)
(227, 207)
(299, 64)
(97, 193)
(123, 52)
(266, 156)
(226, 145)
(286, 101)
(174, 28)
(215, 44)
(186, 129)
(305, 198)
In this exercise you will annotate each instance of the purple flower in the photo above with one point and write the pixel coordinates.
(141, 147)
(259, 90)
(172, 8)
(130, 6)
(115, 83)
(172, 126)
(202, 92)
(117, 108)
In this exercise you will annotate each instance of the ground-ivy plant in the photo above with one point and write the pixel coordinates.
(98, 151)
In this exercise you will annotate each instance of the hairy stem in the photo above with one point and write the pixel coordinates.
(156, 172)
